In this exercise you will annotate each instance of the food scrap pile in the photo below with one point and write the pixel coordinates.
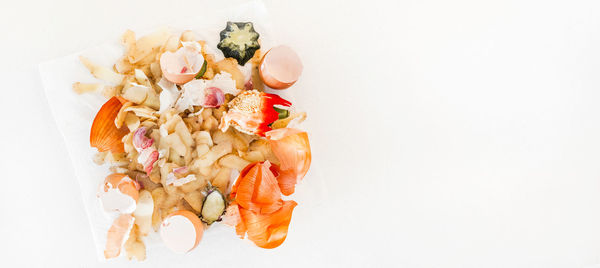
(192, 140)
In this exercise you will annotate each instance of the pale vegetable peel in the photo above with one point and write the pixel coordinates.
(101, 72)
(143, 212)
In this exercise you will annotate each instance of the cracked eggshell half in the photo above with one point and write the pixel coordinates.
(280, 67)
(181, 231)
(182, 66)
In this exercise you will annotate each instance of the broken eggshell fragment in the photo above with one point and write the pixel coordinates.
(182, 65)
(118, 193)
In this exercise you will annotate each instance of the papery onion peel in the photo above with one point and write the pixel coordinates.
(268, 230)
(292, 148)
(257, 208)
(104, 135)
(256, 189)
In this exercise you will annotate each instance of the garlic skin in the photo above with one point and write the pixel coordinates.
(168, 95)
(206, 93)
(140, 141)
(173, 180)
(146, 148)
(213, 98)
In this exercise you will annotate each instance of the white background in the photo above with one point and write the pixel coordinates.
(448, 133)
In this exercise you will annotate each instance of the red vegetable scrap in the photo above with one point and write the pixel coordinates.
(252, 112)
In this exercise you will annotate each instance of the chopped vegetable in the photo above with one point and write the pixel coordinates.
(283, 113)
(239, 40)
(293, 119)
(213, 206)
(143, 212)
(252, 112)
(234, 162)
(202, 71)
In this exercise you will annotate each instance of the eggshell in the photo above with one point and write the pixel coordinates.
(118, 193)
(117, 235)
(182, 66)
(280, 67)
(181, 231)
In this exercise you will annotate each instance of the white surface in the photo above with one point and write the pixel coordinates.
(451, 133)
